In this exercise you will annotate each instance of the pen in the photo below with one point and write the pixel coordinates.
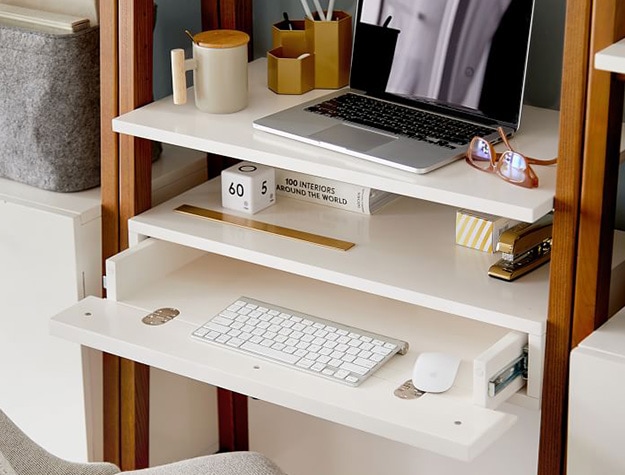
(330, 10)
(307, 9)
(322, 17)
(286, 19)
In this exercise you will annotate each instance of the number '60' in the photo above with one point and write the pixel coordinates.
(237, 189)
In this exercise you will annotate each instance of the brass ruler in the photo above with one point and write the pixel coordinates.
(265, 227)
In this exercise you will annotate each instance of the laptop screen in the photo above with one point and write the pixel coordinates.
(468, 55)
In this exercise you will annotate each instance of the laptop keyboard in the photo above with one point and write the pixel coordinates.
(427, 127)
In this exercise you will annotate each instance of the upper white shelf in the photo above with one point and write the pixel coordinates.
(456, 184)
(612, 58)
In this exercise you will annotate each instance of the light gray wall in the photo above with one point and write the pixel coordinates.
(172, 18)
(543, 75)
(545, 61)
(545, 58)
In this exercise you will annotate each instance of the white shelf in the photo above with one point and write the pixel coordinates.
(456, 184)
(448, 423)
(81, 205)
(405, 252)
(612, 58)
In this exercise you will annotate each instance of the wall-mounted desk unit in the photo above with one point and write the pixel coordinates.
(404, 277)
(579, 282)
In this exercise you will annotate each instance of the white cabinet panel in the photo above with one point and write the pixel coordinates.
(50, 258)
(596, 395)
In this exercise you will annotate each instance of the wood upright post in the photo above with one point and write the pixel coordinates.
(126, 83)
(604, 117)
(590, 124)
(109, 166)
(564, 253)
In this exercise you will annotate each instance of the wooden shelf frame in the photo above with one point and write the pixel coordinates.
(588, 159)
(590, 128)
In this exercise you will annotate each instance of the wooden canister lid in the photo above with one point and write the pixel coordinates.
(221, 38)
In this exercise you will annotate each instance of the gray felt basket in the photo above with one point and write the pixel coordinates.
(50, 108)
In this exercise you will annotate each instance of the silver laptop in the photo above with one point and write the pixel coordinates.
(426, 76)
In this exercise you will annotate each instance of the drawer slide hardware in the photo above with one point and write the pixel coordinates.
(501, 370)
(516, 369)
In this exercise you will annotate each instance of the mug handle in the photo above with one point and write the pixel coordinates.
(179, 66)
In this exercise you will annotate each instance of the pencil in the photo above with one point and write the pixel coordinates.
(322, 17)
(330, 10)
(307, 9)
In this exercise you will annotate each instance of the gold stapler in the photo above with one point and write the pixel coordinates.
(524, 247)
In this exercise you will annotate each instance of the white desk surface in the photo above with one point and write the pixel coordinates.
(447, 424)
(456, 184)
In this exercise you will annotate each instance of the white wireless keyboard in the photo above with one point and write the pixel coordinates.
(322, 347)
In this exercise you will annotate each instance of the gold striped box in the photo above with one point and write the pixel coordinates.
(480, 231)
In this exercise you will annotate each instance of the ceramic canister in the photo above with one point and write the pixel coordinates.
(219, 67)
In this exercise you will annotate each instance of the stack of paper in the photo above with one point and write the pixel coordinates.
(29, 16)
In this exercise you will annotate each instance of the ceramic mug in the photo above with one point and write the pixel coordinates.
(219, 67)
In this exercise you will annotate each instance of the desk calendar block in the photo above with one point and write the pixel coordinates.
(480, 231)
(248, 187)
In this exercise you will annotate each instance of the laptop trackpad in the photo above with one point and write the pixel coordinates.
(352, 138)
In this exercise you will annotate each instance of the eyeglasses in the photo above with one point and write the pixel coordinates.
(509, 165)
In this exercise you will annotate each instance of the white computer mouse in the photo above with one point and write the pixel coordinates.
(435, 372)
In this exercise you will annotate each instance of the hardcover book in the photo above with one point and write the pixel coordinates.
(337, 194)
